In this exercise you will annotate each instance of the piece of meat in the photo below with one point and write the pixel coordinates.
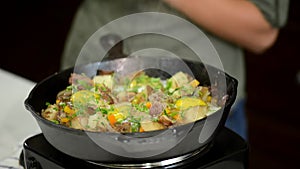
(104, 72)
(91, 109)
(64, 95)
(50, 113)
(149, 90)
(61, 115)
(157, 97)
(105, 93)
(156, 108)
(123, 127)
(165, 120)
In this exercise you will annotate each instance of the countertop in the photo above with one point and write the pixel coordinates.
(16, 123)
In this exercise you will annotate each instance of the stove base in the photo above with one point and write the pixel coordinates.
(228, 151)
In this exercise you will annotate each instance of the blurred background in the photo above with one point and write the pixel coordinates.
(33, 34)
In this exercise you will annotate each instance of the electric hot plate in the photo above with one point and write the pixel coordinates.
(227, 151)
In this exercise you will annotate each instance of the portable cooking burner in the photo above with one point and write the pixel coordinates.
(227, 151)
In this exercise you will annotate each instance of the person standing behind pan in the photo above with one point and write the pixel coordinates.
(231, 25)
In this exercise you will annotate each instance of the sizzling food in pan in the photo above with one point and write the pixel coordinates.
(134, 103)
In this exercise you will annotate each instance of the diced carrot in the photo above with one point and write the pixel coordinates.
(64, 120)
(141, 129)
(112, 120)
(176, 117)
(68, 110)
(148, 105)
(57, 101)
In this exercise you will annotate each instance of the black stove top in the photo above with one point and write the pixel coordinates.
(227, 151)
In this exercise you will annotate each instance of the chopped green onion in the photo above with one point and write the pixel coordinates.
(63, 104)
(69, 88)
(55, 121)
(48, 104)
(135, 127)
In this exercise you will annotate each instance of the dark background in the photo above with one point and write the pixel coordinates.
(33, 34)
(273, 105)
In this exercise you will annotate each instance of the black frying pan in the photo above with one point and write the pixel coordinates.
(132, 147)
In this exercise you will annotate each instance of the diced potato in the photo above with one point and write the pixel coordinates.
(179, 79)
(124, 108)
(150, 126)
(107, 80)
(194, 114)
(97, 122)
(79, 122)
(93, 120)
(187, 102)
(84, 96)
(75, 123)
